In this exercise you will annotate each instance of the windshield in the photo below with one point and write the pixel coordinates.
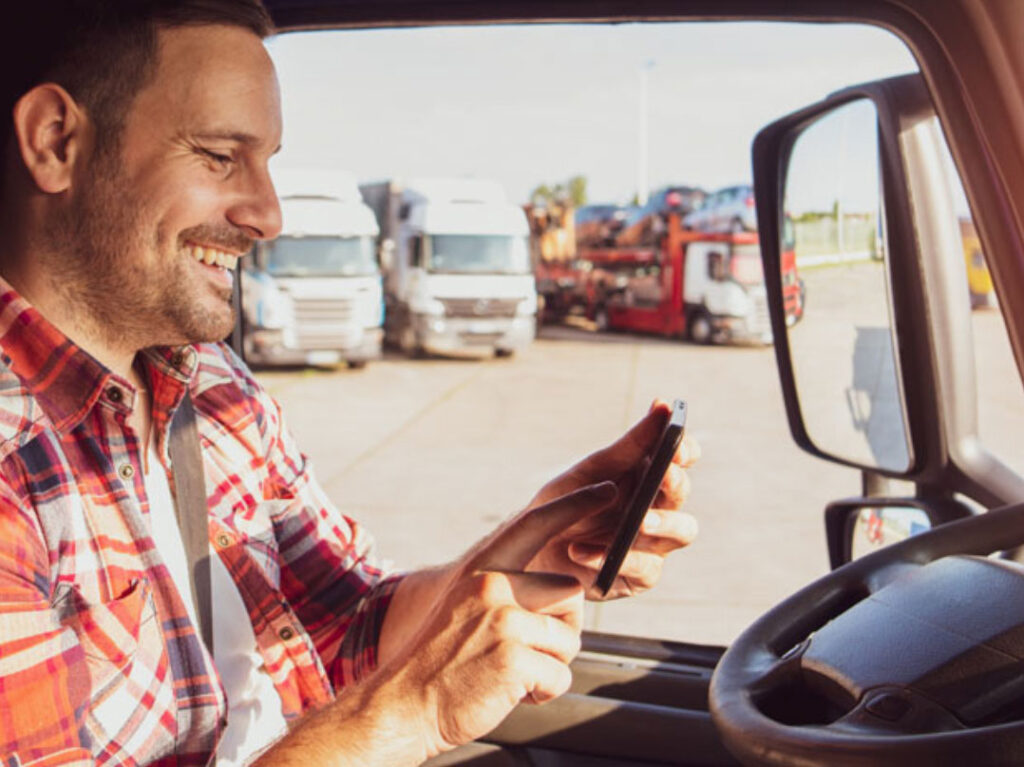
(479, 254)
(745, 265)
(321, 256)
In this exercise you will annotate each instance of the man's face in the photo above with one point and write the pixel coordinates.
(156, 224)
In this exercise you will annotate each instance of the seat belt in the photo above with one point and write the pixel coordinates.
(190, 507)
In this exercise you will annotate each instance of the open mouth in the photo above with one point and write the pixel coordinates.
(212, 256)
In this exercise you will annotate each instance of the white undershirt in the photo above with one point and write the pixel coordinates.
(254, 707)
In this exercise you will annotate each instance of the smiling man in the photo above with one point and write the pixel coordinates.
(135, 175)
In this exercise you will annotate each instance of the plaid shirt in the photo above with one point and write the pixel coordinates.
(99, 662)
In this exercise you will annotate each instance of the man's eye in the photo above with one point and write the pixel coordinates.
(220, 159)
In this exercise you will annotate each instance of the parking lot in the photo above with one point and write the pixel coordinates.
(432, 454)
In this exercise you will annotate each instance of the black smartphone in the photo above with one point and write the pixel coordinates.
(643, 496)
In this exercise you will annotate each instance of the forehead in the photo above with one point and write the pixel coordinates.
(211, 78)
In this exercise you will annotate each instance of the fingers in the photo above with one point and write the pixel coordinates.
(640, 570)
(551, 677)
(543, 633)
(514, 547)
(661, 533)
(556, 596)
(540, 610)
(688, 453)
(665, 531)
(674, 489)
(633, 446)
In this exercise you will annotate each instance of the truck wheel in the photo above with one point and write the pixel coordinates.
(701, 331)
(356, 364)
(504, 353)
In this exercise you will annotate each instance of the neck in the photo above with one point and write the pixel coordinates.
(51, 299)
(31, 263)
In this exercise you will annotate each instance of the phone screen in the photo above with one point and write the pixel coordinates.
(643, 497)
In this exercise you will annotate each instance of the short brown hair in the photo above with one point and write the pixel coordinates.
(101, 51)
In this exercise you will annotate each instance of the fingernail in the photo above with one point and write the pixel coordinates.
(652, 521)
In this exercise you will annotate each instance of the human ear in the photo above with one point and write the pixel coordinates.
(48, 126)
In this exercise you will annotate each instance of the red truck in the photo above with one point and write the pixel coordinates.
(708, 287)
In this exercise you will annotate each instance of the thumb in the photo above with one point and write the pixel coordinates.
(513, 548)
(633, 446)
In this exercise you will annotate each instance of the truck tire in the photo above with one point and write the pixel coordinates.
(504, 353)
(356, 364)
(700, 330)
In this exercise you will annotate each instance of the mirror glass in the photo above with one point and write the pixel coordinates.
(841, 336)
(875, 527)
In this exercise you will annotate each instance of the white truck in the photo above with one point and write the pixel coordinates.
(313, 296)
(458, 278)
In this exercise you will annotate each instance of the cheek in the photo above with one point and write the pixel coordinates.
(186, 204)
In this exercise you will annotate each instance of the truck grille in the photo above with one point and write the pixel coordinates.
(324, 323)
(480, 307)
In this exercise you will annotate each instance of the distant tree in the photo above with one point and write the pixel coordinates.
(541, 194)
(573, 190)
(578, 190)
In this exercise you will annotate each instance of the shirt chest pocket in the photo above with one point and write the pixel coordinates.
(248, 545)
(126, 659)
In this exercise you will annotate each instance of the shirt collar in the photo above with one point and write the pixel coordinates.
(67, 381)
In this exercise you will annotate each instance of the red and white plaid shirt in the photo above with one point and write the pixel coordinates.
(99, 662)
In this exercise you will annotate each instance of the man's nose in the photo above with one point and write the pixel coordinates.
(258, 211)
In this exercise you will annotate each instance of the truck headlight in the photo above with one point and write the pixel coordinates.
(275, 310)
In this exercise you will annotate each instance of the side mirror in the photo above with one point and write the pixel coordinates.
(834, 193)
(855, 527)
(416, 251)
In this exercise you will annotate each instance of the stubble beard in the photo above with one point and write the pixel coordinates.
(132, 283)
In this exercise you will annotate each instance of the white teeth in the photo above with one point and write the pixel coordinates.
(213, 257)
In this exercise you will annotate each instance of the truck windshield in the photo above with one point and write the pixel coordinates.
(745, 265)
(479, 254)
(321, 256)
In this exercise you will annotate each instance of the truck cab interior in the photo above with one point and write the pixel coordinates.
(914, 652)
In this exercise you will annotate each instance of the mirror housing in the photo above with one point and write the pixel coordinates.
(416, 251)
(900, 103)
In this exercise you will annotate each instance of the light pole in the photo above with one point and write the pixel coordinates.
(642, 182)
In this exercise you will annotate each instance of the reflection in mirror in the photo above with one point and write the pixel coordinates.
(874, 528)
(844, 363)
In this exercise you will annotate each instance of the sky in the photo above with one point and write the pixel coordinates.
(534, 104)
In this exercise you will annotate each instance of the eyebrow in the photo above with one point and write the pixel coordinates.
(238, 136)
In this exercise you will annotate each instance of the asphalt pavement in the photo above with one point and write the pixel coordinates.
(432, 454)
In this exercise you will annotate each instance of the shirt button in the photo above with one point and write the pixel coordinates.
(286, 633)
(223, 541)
(178, 359)
(126, 471)
(114, 394)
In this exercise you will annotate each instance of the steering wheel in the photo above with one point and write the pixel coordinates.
(913, 654)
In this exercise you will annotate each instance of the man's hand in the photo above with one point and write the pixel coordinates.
(579, 551)
(498, 636)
